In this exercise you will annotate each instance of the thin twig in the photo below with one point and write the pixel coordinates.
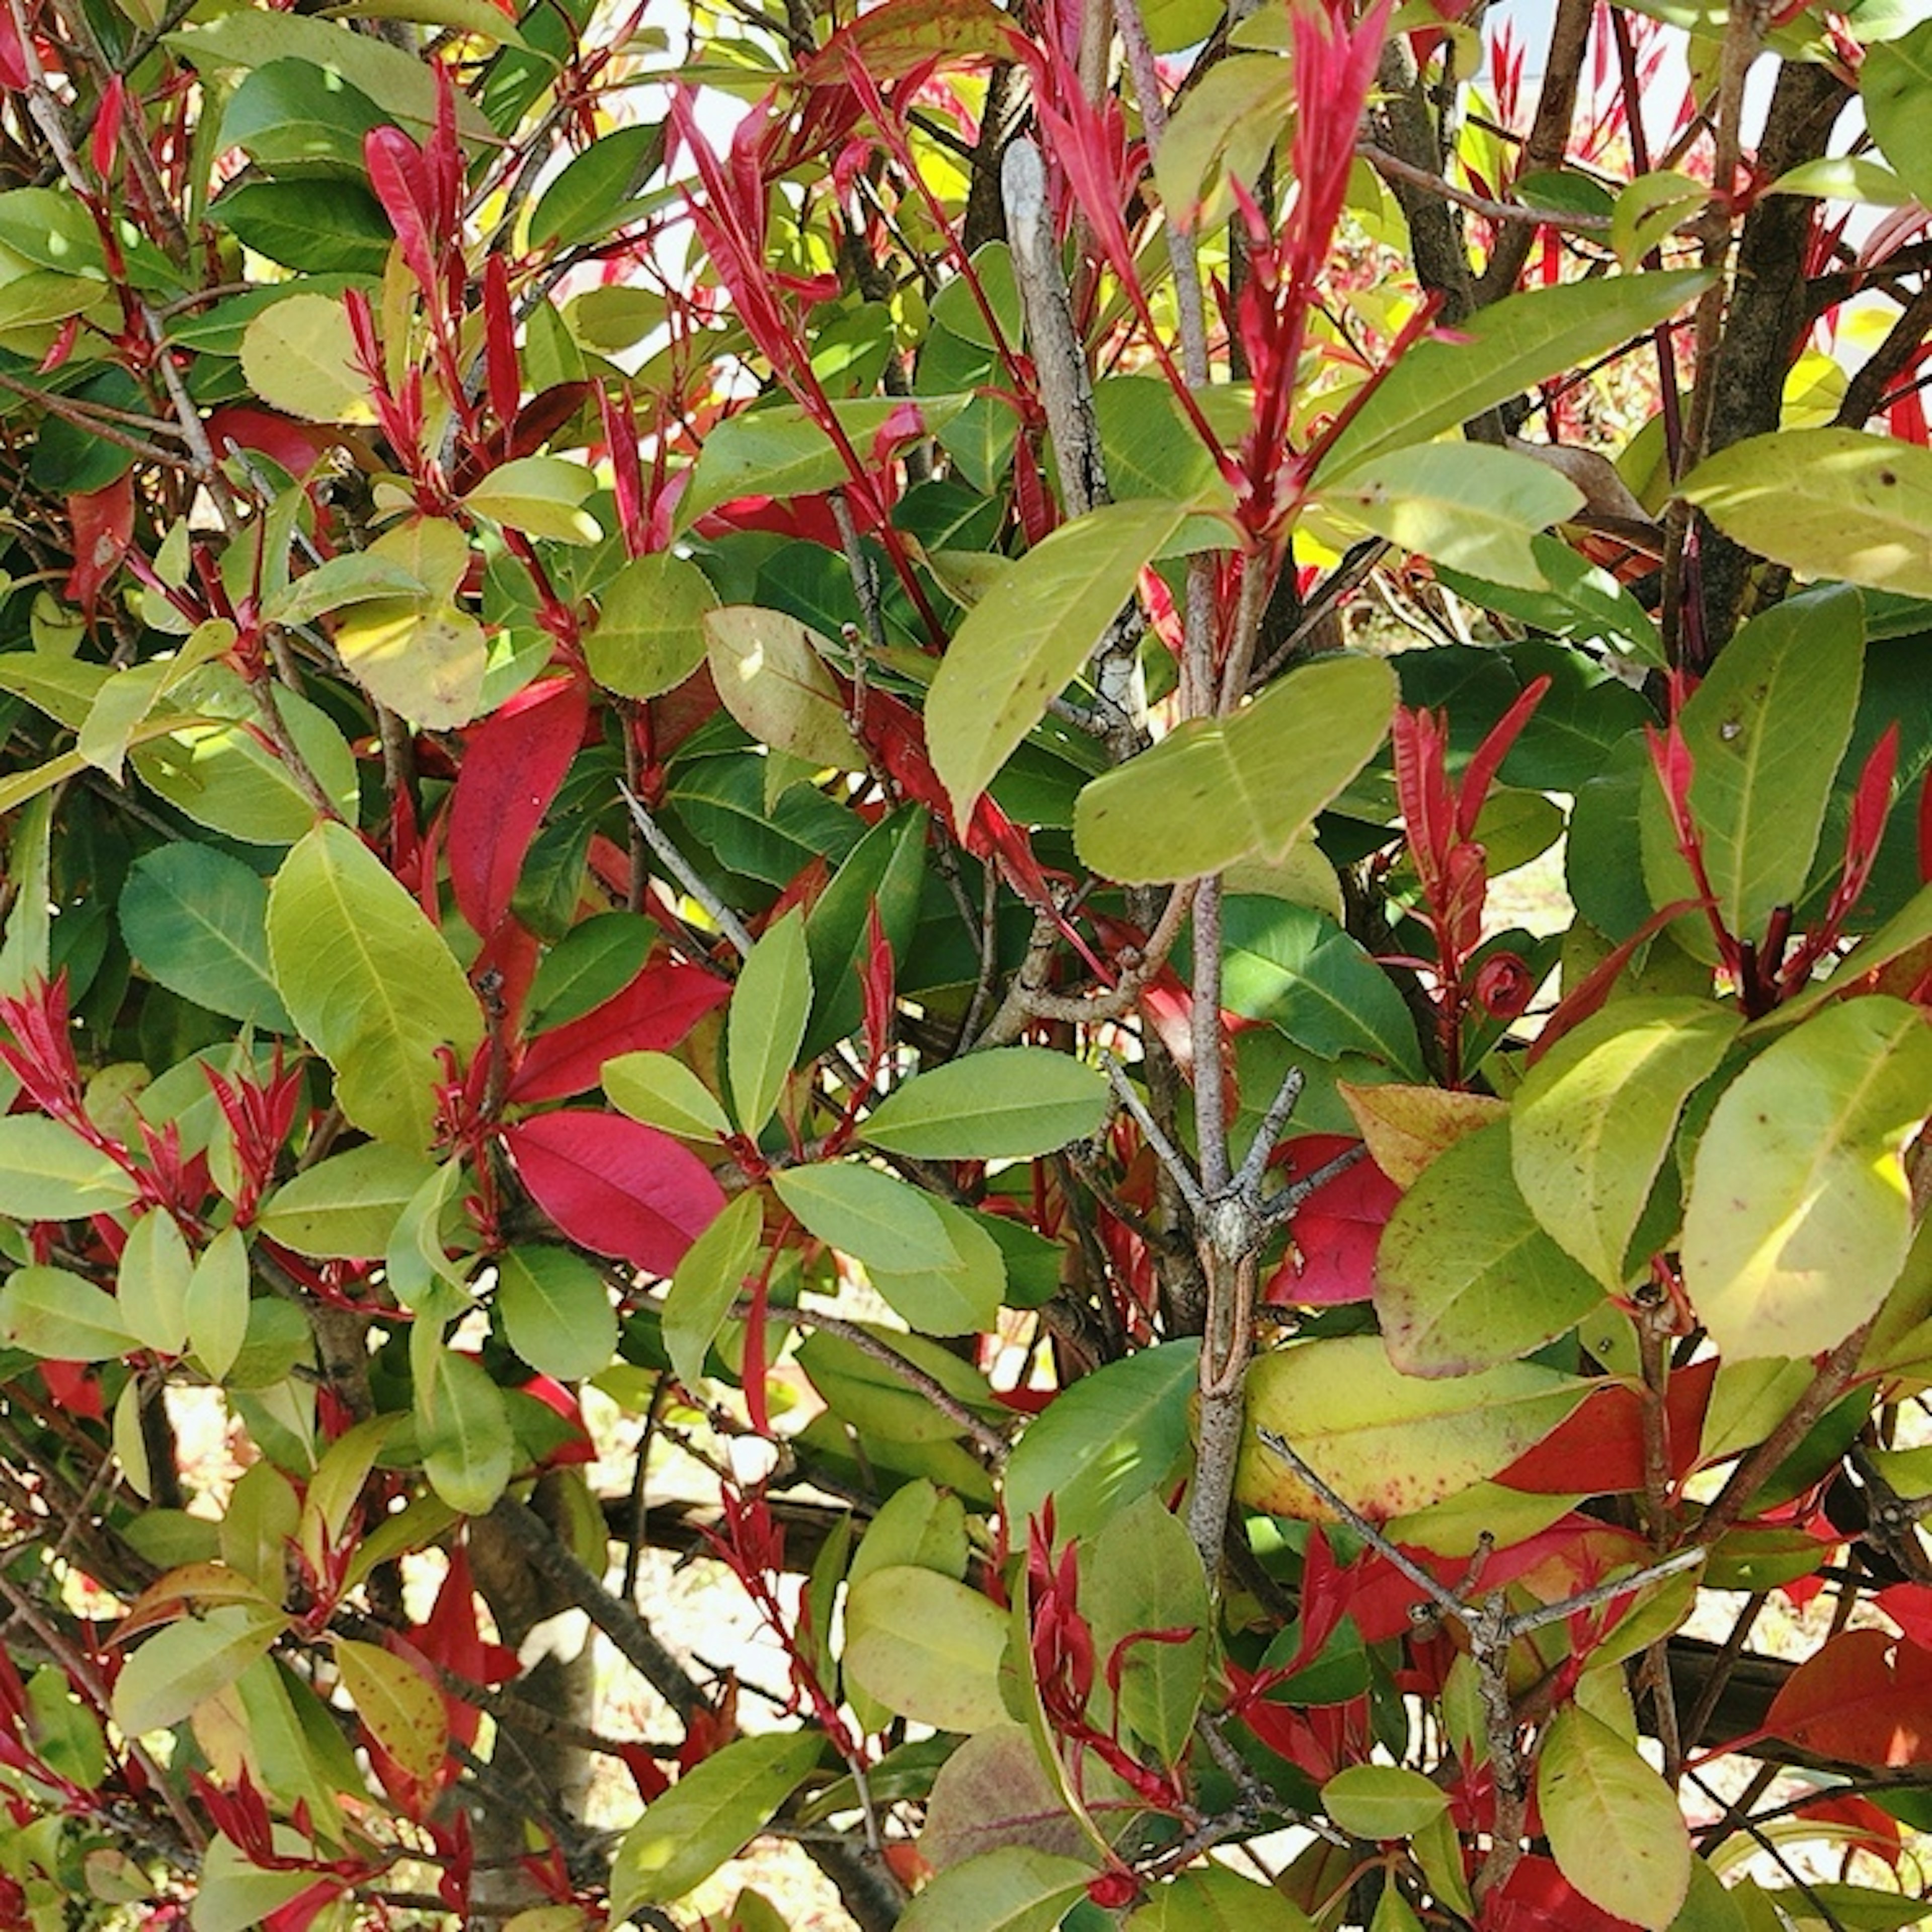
(674, 862)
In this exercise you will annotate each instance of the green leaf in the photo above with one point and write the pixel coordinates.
(770, 672)
(1647, 208)
(1211, 1898)
(299, 356)
(224, 774)
(400, 84)
(1295, 968)
(592, 960)
(557, 1312)
(926, 1647)
(1895, 85)
(1381, 1801)
(218, 1303)
(1228, 124)
(1141, 1573)
(874, 1217)
(1594, 1121)
(404, 1711)
(371, 983)
(49, 1173)
(233, 1894)
(180, 1666)
(1465, 1278)
(1574, 598)
(541, 496)
(346, 1207)
(463, 1431)
(1026, 639)
(61, 1317)
(196, 922)
(1010, 1103)
(151, 1292)
(1766, 730)
(587, 199)
(1386, 1443)
(1106, 1441)
(1219, 789)
(1498, 352)
(1828, 502)
(1614, 1826)
(780, 451)
(1799, 1215)
(958, 1293)
(885, 871)
(709, 1278)
(709, 1815)
(1013, 1889)
(767, 1020)
(649, 633)
(322, 226)
(1464, 504)
(425, 661)
(294, 118)
(664, 1093)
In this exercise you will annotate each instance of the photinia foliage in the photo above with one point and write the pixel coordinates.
(768, 782)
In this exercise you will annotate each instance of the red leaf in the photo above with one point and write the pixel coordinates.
(102, 521)
(1598, 1450)
(401, 179)
(1335, 1232)
(1909, 1605)
(1482, 769)
(1875, 1831)
(1537, 1897)
(449, 1636)
(1865, 1698)
(617, 1186)
(654, 1012)
(513, 763)
(294, 447)
(499, 343)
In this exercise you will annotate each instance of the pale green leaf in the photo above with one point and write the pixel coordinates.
(151, 1291)
(709, 1815)
(780, 451)
(926, 1647)
(556, 1311)
(299, 356)
(346, 1207)
(771, 675)
(1766, 730)
(1799, 1216)
(709, 1278)
(1895, 86)
(1142, 1573)
(49, 1173)
(1010, 1103)
(1464, 1277)
(1614, 1826)
(355, 577)
(426, 663)
(370, 982)
(1229, 122)
(1386, 1443)
(404, 1711)
(1014, 1888)
(1464, 505)
(1026, 639)
(1105, 1441)
(61, 1317)
(463, 1431)
(874, 1217)
(1500, 351)
(218, 1303)
(959, 1292)
(1828, 502)
(189, 1660)
(663, 1092)
(1593, 1122)
(649, 633)
(1381, 1801)
(1213, 1898)
(770, 1007)
(1220, 790)
(233, 1894)
(541, 496)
